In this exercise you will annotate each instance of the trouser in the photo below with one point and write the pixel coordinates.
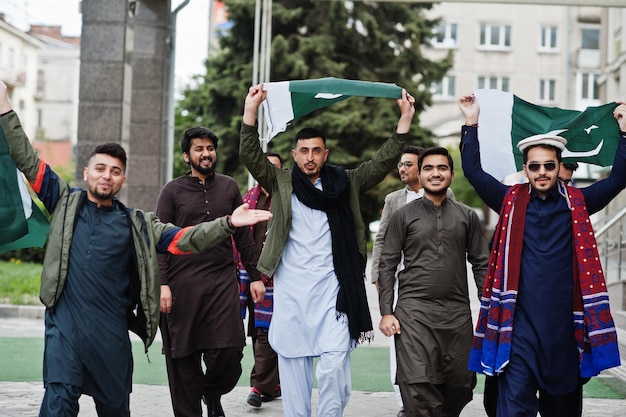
(62, 400)
(333, 381)
(427, 400)
(264, 374)
(189, 383)
(519, 399)
(393, 366)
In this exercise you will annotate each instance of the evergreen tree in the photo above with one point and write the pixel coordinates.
(365, 41)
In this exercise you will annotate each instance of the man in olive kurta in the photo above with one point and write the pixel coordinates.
(432, 321)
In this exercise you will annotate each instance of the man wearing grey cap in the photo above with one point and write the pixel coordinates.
(544, 325)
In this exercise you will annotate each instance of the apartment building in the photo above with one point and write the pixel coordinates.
(58, 68)
(548, 55)
(18, 69)
(612, 79)
(41, 70)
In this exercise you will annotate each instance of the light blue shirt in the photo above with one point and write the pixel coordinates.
(305, 321)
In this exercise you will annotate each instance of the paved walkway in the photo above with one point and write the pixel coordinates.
(22, 399)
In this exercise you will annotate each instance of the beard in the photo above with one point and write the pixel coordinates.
(204, 170)
(101, 195)
(435, 192)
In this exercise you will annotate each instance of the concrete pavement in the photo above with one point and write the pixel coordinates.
(22, 399)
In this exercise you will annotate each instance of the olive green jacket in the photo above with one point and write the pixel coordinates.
(149, 235)
(278, 183)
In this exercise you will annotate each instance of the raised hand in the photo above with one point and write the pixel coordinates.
(244, 216)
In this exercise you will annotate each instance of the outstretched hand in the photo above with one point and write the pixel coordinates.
(244, 216)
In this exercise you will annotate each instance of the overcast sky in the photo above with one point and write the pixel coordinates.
(191, 37)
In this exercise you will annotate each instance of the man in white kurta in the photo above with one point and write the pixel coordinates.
(316, 250)
(307, 255)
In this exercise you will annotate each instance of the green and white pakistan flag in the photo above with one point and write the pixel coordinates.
(289, 100)
(22, 223)
(592, 135)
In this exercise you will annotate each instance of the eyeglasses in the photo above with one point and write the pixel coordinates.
(534, 167)
(407, 164)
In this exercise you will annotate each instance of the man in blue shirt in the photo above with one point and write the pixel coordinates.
(542, 349)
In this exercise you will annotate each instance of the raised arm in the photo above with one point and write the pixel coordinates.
(42, 179)
(250, 151)
(489, 189)
(371, 172)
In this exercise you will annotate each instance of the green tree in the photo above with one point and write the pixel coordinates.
(311, 39)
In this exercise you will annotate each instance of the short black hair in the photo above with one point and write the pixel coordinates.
(573, 166)
(275, 155)
(309, 133)
(197, 132)
(112, 149)
(435, 150)
(415, 150)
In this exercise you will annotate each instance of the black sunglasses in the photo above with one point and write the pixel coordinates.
(534, 167)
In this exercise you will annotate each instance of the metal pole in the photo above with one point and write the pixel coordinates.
(255, 46)
(261, 61)
(169, 169)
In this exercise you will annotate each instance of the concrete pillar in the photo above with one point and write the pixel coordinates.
(150, 62)
(124, 56)
(105, 79)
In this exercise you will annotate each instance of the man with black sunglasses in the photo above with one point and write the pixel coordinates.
(544, 324)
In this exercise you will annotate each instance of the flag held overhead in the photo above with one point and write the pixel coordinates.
(289, 100)
(592, 135)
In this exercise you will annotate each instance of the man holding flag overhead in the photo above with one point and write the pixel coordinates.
(544, 324)
(316, 251)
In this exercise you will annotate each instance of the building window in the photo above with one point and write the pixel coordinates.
(494, 83)
(495, 36)
(445, 35)
(445, 89)
(590, 38)
(41, 86)
(11, 58)
(547, 91)
(548, 38)
(588, 86)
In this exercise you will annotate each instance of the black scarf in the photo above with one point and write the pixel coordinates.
(347, 260)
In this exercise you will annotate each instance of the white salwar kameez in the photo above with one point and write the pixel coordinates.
(305, 323)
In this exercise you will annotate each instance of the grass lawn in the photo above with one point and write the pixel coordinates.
(19, 282)
(22, 359)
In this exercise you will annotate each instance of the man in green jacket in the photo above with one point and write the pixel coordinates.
(100, 274)
(315, 248)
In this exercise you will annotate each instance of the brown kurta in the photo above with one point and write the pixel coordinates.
(433, 301)
(205, 291)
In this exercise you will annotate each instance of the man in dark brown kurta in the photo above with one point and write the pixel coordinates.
(432, 321)
(201, 319)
